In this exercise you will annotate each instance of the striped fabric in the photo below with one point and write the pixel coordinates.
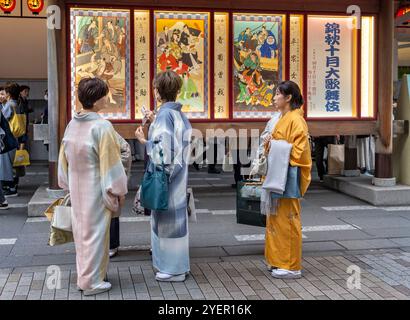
(90, 168)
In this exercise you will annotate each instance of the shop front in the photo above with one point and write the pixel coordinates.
(230, 56)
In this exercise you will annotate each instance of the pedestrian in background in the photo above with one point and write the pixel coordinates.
(9, 109)
(25, 108)
(90, 168)
(8, 143)
(321, 143)
(168, 142)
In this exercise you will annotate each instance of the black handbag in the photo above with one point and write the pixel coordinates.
(248, 207)
(9, 141)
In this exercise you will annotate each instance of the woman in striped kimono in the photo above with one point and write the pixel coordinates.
(90, 168)
(171, 134)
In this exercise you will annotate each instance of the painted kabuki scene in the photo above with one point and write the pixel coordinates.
(258, 63)
(100, 48)
(181, 45)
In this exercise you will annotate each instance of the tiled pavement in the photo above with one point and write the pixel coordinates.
(383, 276)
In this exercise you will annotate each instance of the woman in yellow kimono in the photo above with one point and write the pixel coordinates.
(283, 248)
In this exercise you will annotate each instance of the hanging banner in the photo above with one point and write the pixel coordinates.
(331, 69)
(35, 8)
(10, 8)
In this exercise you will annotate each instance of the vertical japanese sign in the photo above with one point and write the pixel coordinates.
(221, 66)
(142, 62)
(332, 65)
(296, 49)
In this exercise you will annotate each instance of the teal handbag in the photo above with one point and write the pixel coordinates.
(292, 189)
(154, 188)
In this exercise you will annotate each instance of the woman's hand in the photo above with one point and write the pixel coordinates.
(121, 200)
(139, 134)
(150, 116)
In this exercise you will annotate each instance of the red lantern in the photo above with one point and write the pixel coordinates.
(35, 6)
(7, 6)
(402, 11)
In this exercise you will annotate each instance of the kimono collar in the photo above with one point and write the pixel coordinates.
(87, 116)
(171, 105)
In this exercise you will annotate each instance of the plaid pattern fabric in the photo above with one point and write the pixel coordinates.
(108, 14)
(253, 115)
(190, 16)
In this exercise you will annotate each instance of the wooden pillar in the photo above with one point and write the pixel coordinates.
(56, 48)
(384, 142)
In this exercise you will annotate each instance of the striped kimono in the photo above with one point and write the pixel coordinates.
(90, 168)
(171, 132)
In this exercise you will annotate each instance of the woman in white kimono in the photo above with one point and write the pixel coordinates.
(170, 133)
(90, 168)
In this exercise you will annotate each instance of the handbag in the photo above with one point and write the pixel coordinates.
(335, 159)
(191, 206)
(227, 165)
(22, 158)
(154, 188)
(62, 215)
(57, 236)
(292, 189)
(18, 124)
(248, 210)
(137, 208)
(259, 166)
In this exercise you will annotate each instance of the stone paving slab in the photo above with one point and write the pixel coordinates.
(383, 275)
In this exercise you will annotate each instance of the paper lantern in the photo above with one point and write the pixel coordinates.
(7, 6)
(35, 6)
(402, 11)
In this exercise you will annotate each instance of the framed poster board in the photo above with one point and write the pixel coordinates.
(100, 47)
(181, 44)
(332, 67)
(258, 63)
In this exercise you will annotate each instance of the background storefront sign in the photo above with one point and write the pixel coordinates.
(34, 8)
(331, 69)
(10, 8)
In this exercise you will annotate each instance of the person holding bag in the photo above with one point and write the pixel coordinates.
(90, 168)
(12, 114)
(283, 245)
(168, 150)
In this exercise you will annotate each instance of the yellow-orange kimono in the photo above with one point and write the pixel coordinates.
(283, 248)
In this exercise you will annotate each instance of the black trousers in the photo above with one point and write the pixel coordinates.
(115, 233)
(320, 144)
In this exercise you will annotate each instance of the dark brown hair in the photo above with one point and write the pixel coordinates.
(13, 89)
(288, 88)
(168, 84)
(22, 88)
(90, 90)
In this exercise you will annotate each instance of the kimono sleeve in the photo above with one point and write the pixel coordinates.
(63, 169)
(112, 173)
(299, 139)
(165, 139)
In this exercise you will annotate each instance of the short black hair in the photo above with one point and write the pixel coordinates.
(90, 90)
(22, 88)
(288, 88)
(13, 89)
(168, 84)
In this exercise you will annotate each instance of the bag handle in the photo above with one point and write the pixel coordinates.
(66, 200)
